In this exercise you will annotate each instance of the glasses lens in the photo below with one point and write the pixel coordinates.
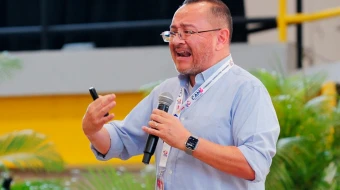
(166, 36)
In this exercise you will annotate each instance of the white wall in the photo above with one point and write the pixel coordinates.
(117, 69)
(321, 38)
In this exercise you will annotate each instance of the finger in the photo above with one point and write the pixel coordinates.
(101, 102)
(106, 109)
(107, 99)
(92, 109)
(151, 131)
(106, 119)
(158, 112)
(153, 124)
(157, 118)
(161, 113)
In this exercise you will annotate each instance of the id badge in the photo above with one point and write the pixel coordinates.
(160, 181)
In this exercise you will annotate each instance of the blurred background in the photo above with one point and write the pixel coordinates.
(53, 51)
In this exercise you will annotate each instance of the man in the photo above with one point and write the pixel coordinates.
(220, 132)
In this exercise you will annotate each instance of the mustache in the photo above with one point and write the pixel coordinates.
(181, 46)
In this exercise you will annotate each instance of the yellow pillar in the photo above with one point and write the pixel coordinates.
(329, 89)
(281, 21)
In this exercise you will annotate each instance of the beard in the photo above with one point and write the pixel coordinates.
(198, 65)
(194, 70)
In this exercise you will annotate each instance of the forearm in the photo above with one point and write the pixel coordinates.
(228, 159)
(100, 140)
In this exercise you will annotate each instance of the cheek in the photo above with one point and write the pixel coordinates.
(197, 51)
(171, 48)
(204, 48)
(197, 47)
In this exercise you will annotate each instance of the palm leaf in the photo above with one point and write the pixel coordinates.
(303, 87)
(27, 149)
(279, 178)
(299, 86)
(293, 151)
(295, 163)
(306, 148)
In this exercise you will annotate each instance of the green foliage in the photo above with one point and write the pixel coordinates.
(28, 149)
(307, 155)
(299, 86)
(8, 64)
(110, 179)
(103, 178)
(55, 184)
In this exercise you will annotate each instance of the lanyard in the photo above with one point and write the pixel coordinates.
(181, 106)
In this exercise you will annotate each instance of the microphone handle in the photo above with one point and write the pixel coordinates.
(152, 141)
(163, 107)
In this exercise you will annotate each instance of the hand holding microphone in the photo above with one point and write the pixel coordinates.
(165, 126)
(165, 100)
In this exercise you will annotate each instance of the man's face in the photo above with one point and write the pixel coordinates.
(194, 54)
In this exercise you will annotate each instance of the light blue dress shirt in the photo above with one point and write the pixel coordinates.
(236, 111)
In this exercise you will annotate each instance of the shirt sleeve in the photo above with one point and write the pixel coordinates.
(255, 128)
(127, 137)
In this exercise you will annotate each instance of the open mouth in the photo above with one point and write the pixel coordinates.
(183, 53)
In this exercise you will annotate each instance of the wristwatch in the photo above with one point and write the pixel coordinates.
(191, 144)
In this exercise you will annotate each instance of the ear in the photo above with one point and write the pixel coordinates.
(222, 38)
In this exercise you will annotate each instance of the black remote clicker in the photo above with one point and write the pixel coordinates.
(94, 95)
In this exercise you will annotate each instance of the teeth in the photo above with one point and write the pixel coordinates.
(183, 53)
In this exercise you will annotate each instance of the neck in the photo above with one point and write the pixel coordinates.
(192, 80)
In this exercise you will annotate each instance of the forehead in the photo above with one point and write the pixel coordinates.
(192, 15)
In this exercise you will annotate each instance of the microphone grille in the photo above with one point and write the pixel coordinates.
(165, 98)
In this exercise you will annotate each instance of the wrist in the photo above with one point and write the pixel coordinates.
(92, 136)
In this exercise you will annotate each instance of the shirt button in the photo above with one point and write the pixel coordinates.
(170, 172)
(183, 118)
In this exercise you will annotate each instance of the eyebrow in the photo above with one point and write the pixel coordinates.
(183, 25)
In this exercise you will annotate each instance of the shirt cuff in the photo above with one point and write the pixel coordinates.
(252, 157)
(116, 145)
(98, 155)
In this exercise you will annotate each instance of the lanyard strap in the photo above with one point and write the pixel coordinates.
(181, 106)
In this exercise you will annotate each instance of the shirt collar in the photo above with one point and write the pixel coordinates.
(203, 76)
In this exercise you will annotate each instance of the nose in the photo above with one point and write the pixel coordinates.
(179, 34)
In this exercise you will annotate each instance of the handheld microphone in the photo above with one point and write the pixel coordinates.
(165, 100)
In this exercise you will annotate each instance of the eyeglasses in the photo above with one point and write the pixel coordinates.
(169, 36)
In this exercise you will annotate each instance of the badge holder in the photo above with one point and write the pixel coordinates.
(160, 180)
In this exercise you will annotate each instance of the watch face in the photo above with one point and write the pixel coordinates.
(191, 143)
